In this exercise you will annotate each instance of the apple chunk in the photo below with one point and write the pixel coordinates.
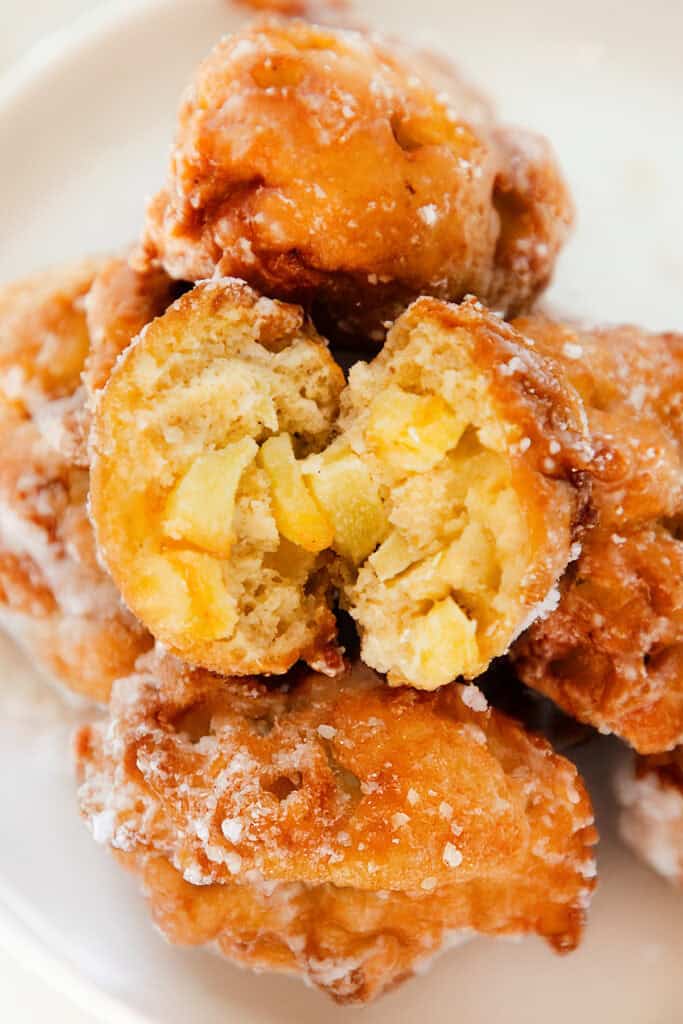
(444, 644)
(185, 590)
(346, 491)
(201, 506)
(412, 432)
(297, 514)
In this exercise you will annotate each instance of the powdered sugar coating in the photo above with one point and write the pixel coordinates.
(298, 852)
(611, 653)
(650, 791)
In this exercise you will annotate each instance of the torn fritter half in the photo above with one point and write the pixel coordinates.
(478, 448)
(200, 511)
(54, 596)
(334, 828)
(333, 169)
(611, 654)
(228, 494)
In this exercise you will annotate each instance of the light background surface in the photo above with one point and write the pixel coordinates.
(24, 997)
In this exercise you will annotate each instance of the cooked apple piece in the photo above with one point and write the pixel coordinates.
(470, 562)
(392, 557)
(345, 490)
(201, 506)
(185, 590)
(164, 592)
(412, 432)
(297, 515)
(444, 643)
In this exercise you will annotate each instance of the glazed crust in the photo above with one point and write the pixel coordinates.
(335, 828)
(650, 791)
(196, 380)
(120, 303)
(612, 652)
(327, 168)
(55, 599)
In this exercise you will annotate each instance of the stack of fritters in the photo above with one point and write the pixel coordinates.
(193, 494)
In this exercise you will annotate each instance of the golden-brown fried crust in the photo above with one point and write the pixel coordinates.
(650, 791)
(323, 167)
(612, 653)
(335, 828)
(54, 597)
(120, 303)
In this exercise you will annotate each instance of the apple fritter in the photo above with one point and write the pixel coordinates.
(650, 791)
(612, 653)
(330, 168)
(444, 501)
(336, 829)
(54, 597)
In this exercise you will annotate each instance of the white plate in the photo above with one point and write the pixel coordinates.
(84, 132)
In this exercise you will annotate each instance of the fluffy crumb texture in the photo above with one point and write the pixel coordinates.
(330, 168)
(650, 791)
(54, 597)
(612, 653)
(200, 509)
(335, 829)
(476, 446)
